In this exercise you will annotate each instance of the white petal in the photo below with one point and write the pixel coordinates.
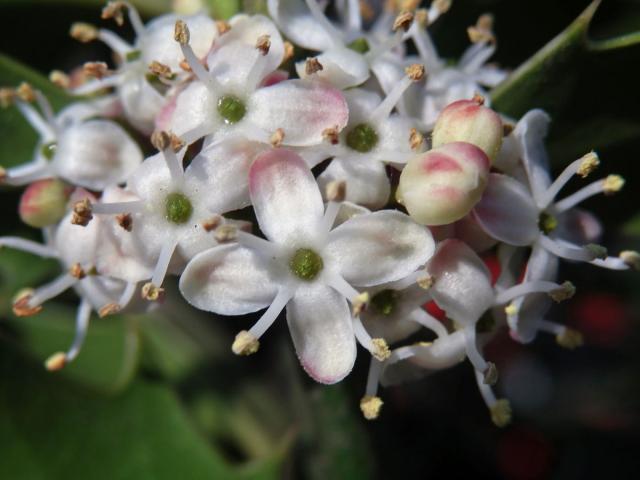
(361, 103)
(367, 181)
(141, 102)
(579, 226)
(224, 169)
(530, 133)
(393, 144)
(320, 323)
(285, 197)
(77, 244)
(228, 280)
(379, 247)
(506, 211)
(302, 109)
(195, 106)
(341, 67)
(95, 154)
(296, 22)
(158, 43)
(462, 286)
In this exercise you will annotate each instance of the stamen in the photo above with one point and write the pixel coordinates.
(380, 349)
(182, 36)
(354, 19)
(565, 337)
(403, 21)
(270, 315)
(583, 166)
(22, 304)
(488, 369)
(370, 407)
(7, 96)
(336, 191)
(631, 258)
(97, 70)
(226, 234)
(376, 349)
(566, 250)
(423, 318)
(222, 26)
(360, 303)
(169, 143)
(416, 139)
(123, 301)
(482, 31)
(212, 223)
(51, 290)
(56, 362)
(414, 73)
(115, 43)
(60, 79)
(161, 70)
(500, 409)
(113, 10)
(163, 262)
(526, 288)
(277, 138)
(36, 121)
(151, 292)
(263, 44)
(373, 378)
(125, 221)
(289, 52)
(28, 246)
(82, 325)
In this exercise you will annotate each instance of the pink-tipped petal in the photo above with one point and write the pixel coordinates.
(320, 323)
(302, 109)
(285, 197)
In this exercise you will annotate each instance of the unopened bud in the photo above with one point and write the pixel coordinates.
(44, 202)
(442, 185)
(469, 121)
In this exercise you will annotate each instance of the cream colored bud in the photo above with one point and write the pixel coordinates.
(470, 121)
(44, 202)
(442, 185)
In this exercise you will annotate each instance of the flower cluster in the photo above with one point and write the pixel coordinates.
(314, 159)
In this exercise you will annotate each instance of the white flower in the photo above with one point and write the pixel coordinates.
(229, 98)
(90, 153)
(305, 266)
(135, 84)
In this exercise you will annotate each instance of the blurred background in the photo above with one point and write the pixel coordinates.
(162, 396)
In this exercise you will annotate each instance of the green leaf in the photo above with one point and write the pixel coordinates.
(50, 429)
(546, 78)
(17, 137)
(110, 354)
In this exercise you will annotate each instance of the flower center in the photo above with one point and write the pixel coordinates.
(231, 109)
(362, 138)
(306, 264)
(48, 150)
(385, 301)
(359, 45)
(133, 55)
(547, 223)
(178, 208)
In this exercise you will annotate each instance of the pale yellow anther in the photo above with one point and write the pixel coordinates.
(331, 135)
(25, 92)
(612, 184)
(421, 17)
(482, 31)
(56, 362)
(491, 374)
(96, 70)
(370, 406)
(312, 65)
(7, 96)
(161, 70)
(263, 43)
(125, 220)
(336, 191)
(288, 51)
(151, 292)
(245, 344)
(181, 33)
(631, 258)
(184, 65)
(59, 79)
(565, 292)
(403, 21)
(589, 163)
(380, 349)
(82, 212)
(21, 307)
(212, 223)
(277, 138)
(511, 310)
(114, 10)
(162, 140)
(570, 339)
(478, 99)
(77, 271)
(226, 233)
(501, 412)
(83, 32)
(416, 139)
(360, 303)
(222, 26)
(425, 281)
(109, 309)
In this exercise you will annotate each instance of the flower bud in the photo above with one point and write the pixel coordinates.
(44, 202)
(442, 185)
(469, 121)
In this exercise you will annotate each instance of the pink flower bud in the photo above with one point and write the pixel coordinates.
(44, 202)
(442, 185)
(469, 121)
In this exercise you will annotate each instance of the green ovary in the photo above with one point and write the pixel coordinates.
(306, 264)
(178, 208)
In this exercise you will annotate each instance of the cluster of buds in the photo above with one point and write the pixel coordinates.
(233, 131)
